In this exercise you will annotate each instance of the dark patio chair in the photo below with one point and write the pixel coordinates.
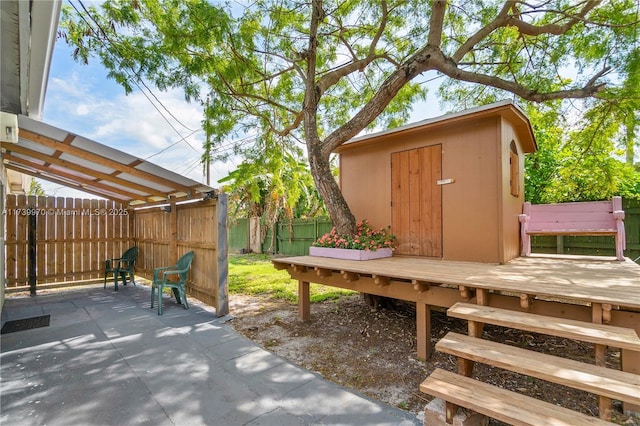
(121, 266)
(160, 282)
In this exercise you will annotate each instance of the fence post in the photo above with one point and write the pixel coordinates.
(559, 244)
(173, 232)
(221, 207)
(32, 251)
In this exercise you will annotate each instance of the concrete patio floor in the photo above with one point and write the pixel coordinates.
(108, 359)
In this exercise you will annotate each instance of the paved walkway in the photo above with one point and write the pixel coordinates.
(108, 359)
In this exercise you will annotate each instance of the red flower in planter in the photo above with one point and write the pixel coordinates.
(366, 238)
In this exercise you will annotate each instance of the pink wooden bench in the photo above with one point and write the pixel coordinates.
(584, 218)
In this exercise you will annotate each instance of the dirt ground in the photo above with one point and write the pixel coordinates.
(374, 351)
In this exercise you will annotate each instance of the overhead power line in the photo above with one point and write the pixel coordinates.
(136, 80)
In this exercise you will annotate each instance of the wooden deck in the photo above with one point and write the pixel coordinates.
(570, 278)
(593, 289)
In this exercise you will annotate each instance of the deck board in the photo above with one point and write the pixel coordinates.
(585, 278)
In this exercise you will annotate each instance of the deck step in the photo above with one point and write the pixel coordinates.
(602, 381)
(501, 404)
(602, 334)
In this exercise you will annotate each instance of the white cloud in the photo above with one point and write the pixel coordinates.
(81, 100)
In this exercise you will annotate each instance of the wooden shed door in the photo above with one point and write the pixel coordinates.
(416, 198)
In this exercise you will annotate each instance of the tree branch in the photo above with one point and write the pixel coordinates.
(294, 64)
(312, 91)
(555, 29)
(416, 64)
(383, 24)
(436, 23)
(482, 33)
(333, 77)
(504, 20)
(449, 68)
(432, 58)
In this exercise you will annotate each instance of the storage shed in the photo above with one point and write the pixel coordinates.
(451, 187)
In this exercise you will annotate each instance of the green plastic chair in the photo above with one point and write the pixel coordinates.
(181, 268)
(121, 266)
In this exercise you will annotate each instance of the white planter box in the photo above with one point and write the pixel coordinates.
(350, 254)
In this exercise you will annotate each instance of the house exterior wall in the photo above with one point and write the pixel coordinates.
(511, 205)
(3, 185)
(479, 214)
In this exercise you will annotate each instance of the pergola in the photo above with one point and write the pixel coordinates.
(56, 155)
(74, 236)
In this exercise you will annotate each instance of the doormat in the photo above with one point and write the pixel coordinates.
(25, 324)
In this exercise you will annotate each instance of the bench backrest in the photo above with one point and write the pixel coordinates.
(130, 256)
(590, 215)
(183, 265)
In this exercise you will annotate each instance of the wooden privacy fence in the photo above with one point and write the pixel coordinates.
(56, 240)
(68, 239)
(164, 235)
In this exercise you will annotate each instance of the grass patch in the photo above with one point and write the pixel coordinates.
(254, 274)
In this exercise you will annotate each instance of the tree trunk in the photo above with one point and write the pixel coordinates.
(338, 209)
(342, 218)
(630, 138)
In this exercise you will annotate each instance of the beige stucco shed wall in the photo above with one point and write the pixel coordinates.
(479, 214)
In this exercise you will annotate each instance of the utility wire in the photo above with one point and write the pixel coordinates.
(136, 76)
(135, 80)
(174, 144)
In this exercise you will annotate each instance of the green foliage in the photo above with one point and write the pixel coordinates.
(577, 158)
(297, 74)
(35, 188)
(255, 274)
(590, 166)
(276, 187)
(586, 148)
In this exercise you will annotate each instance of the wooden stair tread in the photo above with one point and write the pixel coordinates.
(609, 335)
(501, 404)
(603, 381)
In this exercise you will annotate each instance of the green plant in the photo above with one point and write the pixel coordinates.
(366, 238)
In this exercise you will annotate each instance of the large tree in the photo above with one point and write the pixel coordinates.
(320, 72)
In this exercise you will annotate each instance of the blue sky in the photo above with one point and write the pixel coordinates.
(82, 100)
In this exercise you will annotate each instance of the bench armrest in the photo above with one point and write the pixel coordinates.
(172, 272)
(112, 261)
(621, 243)
(525, 240)
(156, 271)
(125, 263)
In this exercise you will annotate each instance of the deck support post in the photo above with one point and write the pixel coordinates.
(423, 330)
(465, 292)
(450, 412)
(322, 272)
(420, 286)
(304, 301)
(482, 296)
(526, 300)
(380, 280)
(350, 276)
(597, 317)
